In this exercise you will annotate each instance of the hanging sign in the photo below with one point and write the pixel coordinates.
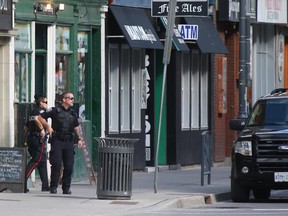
(189, 32)
(184, 8)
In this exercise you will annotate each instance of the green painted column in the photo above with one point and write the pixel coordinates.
(162, 157)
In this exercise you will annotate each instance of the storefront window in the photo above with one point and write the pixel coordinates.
(125, 89)
(21, 77)
(185, 91)
(195, 70)
(62, 60)
(82, 56)
(194, 91)
(22, 62)
(204, 91)
(113, 89)
(61, 75)
(23, 41)
(136, 90)
(62, 38)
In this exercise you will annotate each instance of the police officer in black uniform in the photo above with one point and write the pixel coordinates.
(64, 131)
(36, 144)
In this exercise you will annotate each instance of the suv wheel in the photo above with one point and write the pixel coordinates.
(239, 193)
(262, 194)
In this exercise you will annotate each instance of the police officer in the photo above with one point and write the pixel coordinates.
(64, 130)
(36, 144)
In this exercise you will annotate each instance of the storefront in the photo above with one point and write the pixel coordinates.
(57, 49)
(7, 33)
(269, 48)
(190, 90)
(186, 113)
(131, 45)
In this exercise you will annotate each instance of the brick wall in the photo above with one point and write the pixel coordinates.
(223, 136)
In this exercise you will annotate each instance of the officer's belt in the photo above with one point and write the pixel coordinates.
(64, 136)
(33, 133)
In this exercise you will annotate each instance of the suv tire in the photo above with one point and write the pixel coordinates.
(239, 193)
(262, 194)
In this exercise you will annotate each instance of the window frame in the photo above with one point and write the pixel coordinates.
(204, 91)
(125, 89)
(23, 48)
(195, 90)
(136, 88)
(185, 91)
(113, 88)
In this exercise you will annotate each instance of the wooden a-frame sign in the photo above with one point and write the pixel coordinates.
(87, 157)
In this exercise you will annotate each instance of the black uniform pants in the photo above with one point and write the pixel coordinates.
(39, 159)
(61, 152)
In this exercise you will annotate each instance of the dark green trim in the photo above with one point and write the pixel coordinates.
(75, 11)
(96, 91)
(73, 79)
(23, 51)
(39, 51)
(88, 78)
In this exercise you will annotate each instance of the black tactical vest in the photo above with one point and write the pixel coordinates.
(64, 122)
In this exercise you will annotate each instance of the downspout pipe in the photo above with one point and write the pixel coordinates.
(103, 11)
(248, 55)
(242, 62)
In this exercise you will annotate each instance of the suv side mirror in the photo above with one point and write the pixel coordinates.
(237, 124)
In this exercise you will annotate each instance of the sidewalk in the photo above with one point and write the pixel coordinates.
(175, 189)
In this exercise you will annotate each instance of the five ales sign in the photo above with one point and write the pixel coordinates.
(184, 8)
(5, 14)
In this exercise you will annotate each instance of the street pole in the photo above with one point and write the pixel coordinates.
(242, 62)
(166, 61)
(248, 55)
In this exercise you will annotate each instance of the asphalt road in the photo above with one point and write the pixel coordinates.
(276, 205)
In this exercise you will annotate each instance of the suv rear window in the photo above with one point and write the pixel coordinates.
(270, 112)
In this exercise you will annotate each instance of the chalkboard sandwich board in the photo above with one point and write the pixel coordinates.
(87, 157)
(12, 169)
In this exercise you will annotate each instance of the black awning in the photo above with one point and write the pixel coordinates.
(178, 41)
(209, 40)
(136, 27)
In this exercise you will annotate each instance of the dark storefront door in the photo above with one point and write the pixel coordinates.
(40, 58)
(40, 74)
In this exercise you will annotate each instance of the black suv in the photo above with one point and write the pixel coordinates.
(260, 153)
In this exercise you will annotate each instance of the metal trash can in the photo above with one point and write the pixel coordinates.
(115, 167)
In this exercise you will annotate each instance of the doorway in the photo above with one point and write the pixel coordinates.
(40, 58)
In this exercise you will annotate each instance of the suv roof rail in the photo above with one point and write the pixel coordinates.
(279, 90)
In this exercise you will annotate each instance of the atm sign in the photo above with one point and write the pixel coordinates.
(189, 32)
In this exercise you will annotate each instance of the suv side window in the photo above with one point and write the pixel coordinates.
(257, 116)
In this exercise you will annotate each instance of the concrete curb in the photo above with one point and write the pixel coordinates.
(220, 197)
(198, 200)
